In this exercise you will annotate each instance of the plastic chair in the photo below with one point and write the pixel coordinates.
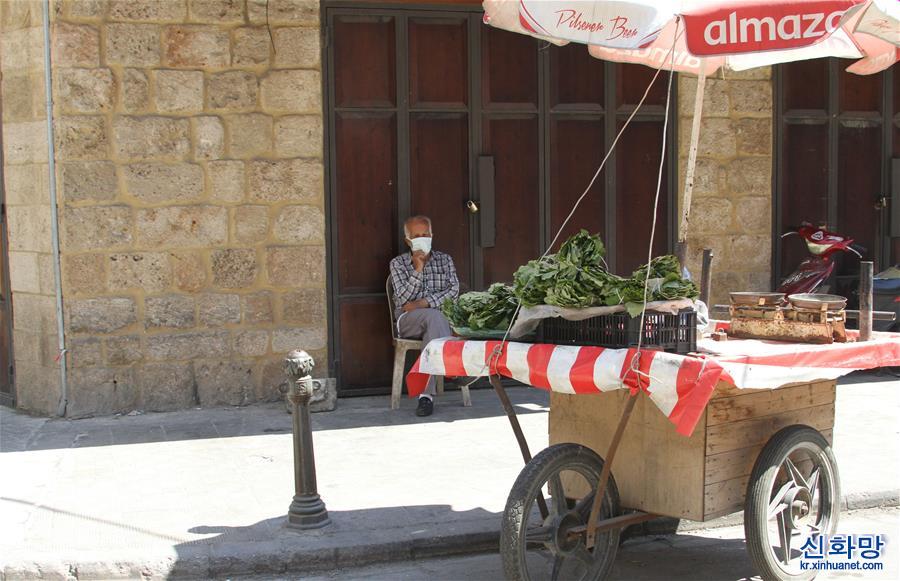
(401, 347)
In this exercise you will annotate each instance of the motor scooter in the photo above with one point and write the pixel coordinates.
(818, 267)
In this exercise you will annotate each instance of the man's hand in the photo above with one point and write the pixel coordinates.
(413, 305)
(418, 260)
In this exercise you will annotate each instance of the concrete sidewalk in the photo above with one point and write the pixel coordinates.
(203, 493)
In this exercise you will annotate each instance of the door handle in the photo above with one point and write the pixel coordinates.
(472, 206)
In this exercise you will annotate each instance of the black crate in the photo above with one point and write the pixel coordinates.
(674, 333)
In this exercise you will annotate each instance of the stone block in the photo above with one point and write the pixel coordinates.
(101, 315)
(21, 97)
(750, 177)
(300, 225)
(216, 11)
(217, 310)
(257, 308)
(232, 90)
(234, 267)
(754, 215)
(42, 395)
(724, 282)
(84, 90)
(133, 45)
(81, 137)
(760, 281)
(84, 274)
(151, 137)
(286, 340)
(304, 306)
(752, 252)
(251, 343)
(179, 91)
(190, 271)
(209, 138)
(286, 180)
(169, 311)
(147, 10)
(711, 216)
(273, 381)
(89, 180)
(17, 15)
(754, 136)
(35, 313)
(25, 142)
(148, 271)
(283, 11)
(188, 346)
(291, 266)
(157, 183)
(251, 224)
(135, 90)
(47, 274)
(166, 386)
(224, 382)
(297, 47)
(85, 352)
(226, 178)
(23, 272)
(75, 45)
(715, 98)
(299, 136)
(22, 49)
(26, 185)
(28, 346)
(97, 391)
(717, 139)
(196, 46)
(751, 98)
(250, 47)
(97, 228)
(182, 226)
(29, 228)
(294, 91)
(86, 9)
(123, 350)
(249, 135)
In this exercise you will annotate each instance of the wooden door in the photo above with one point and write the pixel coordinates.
(431, 109)
(836, 135)
(7, 388)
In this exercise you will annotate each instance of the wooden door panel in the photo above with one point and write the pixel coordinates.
(509, 70)
(364, 61)
(632, 81)
(438, 62)
(804, 187)
(439, 182)
(366, 196)
(514, 144)
(859, 186)
(576, 78)
(367, 354)
(859, 92)
(806, 85)
(576, 150)
(637, 165)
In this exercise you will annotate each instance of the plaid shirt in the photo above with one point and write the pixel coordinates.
(436, 283)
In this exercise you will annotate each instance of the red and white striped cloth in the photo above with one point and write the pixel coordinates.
(680, 386)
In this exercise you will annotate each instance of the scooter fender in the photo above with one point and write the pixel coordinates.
(810, 274)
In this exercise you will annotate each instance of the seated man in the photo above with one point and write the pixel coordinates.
(422, 280)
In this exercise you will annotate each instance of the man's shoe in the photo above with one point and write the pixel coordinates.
(425, 408)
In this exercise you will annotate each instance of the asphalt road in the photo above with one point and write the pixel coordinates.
(700, 555)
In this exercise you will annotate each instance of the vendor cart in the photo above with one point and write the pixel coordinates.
(752, 431)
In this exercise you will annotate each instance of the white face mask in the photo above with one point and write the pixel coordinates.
(422, 243)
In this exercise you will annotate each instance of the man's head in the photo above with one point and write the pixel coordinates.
(417, 230)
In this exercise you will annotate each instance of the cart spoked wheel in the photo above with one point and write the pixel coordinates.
(793, 496)
(541, 547)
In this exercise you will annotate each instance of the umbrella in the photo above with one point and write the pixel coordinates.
(703, 36)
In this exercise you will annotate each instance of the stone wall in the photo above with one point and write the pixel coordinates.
(732, 199)
(25, 173)
(189, 138)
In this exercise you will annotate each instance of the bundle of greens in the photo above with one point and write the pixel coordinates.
(577, 277)
(490, 310)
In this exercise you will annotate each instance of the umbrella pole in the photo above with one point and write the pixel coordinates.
(681, 246)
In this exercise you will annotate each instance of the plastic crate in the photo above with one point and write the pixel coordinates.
(674, 333)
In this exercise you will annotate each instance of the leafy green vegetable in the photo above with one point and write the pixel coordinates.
(482, 310)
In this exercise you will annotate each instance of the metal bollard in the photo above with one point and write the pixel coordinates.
(307, 510)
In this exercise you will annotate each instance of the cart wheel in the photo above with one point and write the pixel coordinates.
(533, 547)
(792, 496)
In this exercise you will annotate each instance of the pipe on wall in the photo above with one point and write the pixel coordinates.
(54, 218)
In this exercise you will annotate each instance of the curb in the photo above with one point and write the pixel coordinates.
(327, 553)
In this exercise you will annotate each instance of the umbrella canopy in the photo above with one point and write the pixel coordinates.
(704, 35)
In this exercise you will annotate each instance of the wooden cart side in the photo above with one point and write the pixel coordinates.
(738, 425)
